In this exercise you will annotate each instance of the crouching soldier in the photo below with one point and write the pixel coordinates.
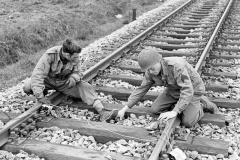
(58, 69)
(184, 88)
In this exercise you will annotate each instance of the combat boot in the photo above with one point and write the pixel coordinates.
(208, 106)
(106, 116)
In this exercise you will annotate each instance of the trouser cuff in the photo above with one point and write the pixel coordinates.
(98, 106)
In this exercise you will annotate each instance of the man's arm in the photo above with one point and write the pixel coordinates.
(76, 73)
(186, 92)
(39, 73)
(137, 94)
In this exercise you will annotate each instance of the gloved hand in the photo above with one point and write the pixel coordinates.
(71, 82)
(44, 100)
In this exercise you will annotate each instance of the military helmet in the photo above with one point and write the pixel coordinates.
(148, 58)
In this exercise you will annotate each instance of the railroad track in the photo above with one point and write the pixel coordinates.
(200, 31)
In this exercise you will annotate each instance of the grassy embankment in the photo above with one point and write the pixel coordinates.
(85, 21)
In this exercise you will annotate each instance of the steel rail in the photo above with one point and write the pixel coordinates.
(164, 138)
(208, 47)
(90, 73)
(5, 132)
(104, 63)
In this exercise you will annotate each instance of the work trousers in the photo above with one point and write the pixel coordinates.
(81, 90)
(190, 116)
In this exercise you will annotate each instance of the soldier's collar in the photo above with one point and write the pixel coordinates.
(63, 59)
(59, 49)
(163, 70)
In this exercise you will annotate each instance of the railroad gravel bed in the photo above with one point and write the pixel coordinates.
(22, 155)
(11, 99)
(233, 93)
(231, 132)
(74, 138)
(80, 114)
(194, 155)
(232, 61)
(130, 29)
(120, 84)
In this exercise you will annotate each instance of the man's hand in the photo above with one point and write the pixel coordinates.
(44, 100)
(121, 113)
(71, 82)
(167, 115)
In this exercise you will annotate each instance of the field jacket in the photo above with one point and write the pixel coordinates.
(180, 78)
(52, 68)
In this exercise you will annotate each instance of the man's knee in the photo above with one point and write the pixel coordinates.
(188, 122)
(85, 85)
(27, 87)
(154, 111)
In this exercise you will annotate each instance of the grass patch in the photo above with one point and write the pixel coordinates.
(22, 46)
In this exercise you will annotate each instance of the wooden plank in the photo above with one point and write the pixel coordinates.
(170, 46)
(200, 12)
(164, 53)
(204, 145)
(183, 31)
(53, 151)
(216, 119)
(225, 103)
(192, 23)
(186, 26)
(231, 32)
(225, 56)
(137, 69)
(232, 37)
(137, 80)
(196, 14)
(229, 43)
(229, 49)
(223, 64)
(4, 133)
(225, 74)
(217, 87)
(109, 106)
(123, 94)
(189, 20)
(234, 27)
(177, 35)
(102, 132)
(174, 41)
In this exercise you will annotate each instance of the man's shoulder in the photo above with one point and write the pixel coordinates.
(53, 50)
(175, 61)
(175, 64)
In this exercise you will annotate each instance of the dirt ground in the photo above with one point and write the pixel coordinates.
(29, 27)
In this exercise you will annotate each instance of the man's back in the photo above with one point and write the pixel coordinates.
(178, 66)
